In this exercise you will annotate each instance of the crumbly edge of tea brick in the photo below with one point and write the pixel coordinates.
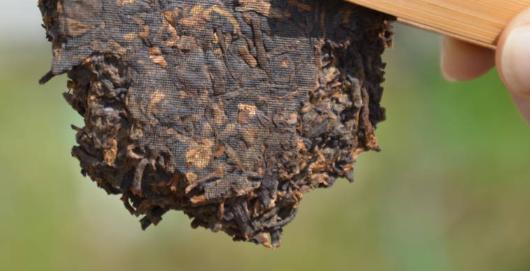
(229, 112)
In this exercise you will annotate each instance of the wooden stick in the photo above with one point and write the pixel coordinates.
(477, 21)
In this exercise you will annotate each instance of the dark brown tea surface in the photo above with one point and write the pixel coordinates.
(226, 110)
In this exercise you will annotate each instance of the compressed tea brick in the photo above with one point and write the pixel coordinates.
(227, 110)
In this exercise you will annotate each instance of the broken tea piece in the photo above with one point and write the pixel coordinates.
(226, 110)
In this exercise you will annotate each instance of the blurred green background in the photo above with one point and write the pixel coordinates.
(450, 191)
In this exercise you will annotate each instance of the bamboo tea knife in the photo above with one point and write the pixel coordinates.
(477, 21)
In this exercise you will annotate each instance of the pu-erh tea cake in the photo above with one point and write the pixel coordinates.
(227, 110)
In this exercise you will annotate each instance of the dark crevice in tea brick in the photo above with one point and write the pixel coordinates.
(227, 110)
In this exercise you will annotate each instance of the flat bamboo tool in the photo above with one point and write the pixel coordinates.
(477, 21)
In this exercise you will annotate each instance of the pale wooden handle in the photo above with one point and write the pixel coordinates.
(477, 21)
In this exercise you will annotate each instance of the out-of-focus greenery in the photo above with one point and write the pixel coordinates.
(450, 191)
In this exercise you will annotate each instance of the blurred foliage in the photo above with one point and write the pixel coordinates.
(450, 191)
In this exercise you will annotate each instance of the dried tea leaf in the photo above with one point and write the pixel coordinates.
(227, 110)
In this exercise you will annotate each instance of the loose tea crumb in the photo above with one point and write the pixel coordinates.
(227, 110)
